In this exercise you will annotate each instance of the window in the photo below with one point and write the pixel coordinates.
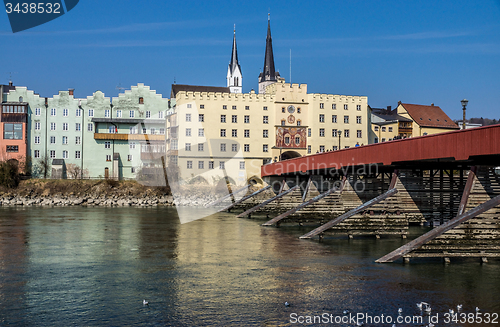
(265, 148)
(174, 144)
(376, 128)
(77, 140)
(153, 131)
(283, 110)
(224, 106)
(91, 112)
(234, 147)
(52, 126)
(334, 118)
(77, 154)
(309, 132)
(287, 140)
(162, 131)
(358, 107)
(246, 133)
(64, 140)
(187, 147)
(189, 105)
(383, 129)
(131, 114)
(246, 120)
(201, 118)
(189, 164)
(234, 133)
(106, 113)
(358, 133)
(188, 117)
(247, 107)
(321, 118)
(222, 118)
(65, 154)
(346, 133)
(242, 165)
(335, 148)
(321, 106)
(141, 100)
(283, 122)
(65, 126)
(202, 106)
(131, 145)
(234, 107)
(299, 122)
(118, 114)
(90, 127)
(37, 139)
(321, 148)
(222, 165)
(12, 148)
(129, 157)
(334, 133)
(322, 132)
(53, 111)
(210, 165)
(188, 131)
(160, 114)
(334, 106)
(358, 119)
(383, 139)
(148, 114)
(201, 132)
(264, 108)
(223, 147)
(133, 130)
(107, 145)
(132, 169)
(297, 140)
(390, 129)
(346, 119)
(222, 133)
(52, 154)
(65, 112)
(37, 111)
(37, 154)
(234, 119)
(246, 147)
(78, 113)
(52, 140)
(144, 130)
(265, 120)
(298, 110)
(37, 126)
(346, 107)
(200, 147)
(308, 149)
(201, 165)
(265, 133)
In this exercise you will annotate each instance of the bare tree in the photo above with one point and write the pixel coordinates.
(42, 167)
(74, 171)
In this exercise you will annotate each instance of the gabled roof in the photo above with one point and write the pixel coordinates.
(429, 116)
(176, 88)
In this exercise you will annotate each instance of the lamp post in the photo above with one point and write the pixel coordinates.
(464, 105)
(340, 134)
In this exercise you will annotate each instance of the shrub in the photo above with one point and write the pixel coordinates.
(9, 174)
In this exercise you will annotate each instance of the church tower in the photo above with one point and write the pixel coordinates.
(269, 75)
(234, 77)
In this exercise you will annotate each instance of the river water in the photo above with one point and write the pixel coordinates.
(79, 266)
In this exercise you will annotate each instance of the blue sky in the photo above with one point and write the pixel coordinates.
(411, 51)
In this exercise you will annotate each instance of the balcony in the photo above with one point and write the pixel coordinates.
(405, 130)
(128, 137)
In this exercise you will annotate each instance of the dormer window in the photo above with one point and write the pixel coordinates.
(141, 100)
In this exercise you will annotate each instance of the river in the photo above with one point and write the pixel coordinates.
(94, 266)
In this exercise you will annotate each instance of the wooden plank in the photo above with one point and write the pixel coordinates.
(227, 196)
(306, 189)
(467, 189)
(392, 190)
(351, 213)
(416, 243)
(304, 204)
(245, 198)
(280, 195)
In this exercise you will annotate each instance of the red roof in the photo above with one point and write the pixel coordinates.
(429, 116)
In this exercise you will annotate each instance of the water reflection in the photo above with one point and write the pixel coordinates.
(94, 266)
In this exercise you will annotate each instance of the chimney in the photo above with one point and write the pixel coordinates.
(432, 104)
(71, 91)
(10, 83)
(389, 109)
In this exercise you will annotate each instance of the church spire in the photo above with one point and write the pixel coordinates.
(234, 76)
(269, 74)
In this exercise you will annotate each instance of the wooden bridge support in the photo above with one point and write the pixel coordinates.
(392, 190)
(305, 204)
(244, 198)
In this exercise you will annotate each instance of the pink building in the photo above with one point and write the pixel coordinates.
(13, 131)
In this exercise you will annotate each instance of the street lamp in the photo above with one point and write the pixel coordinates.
(464, 105)
(340, 134)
